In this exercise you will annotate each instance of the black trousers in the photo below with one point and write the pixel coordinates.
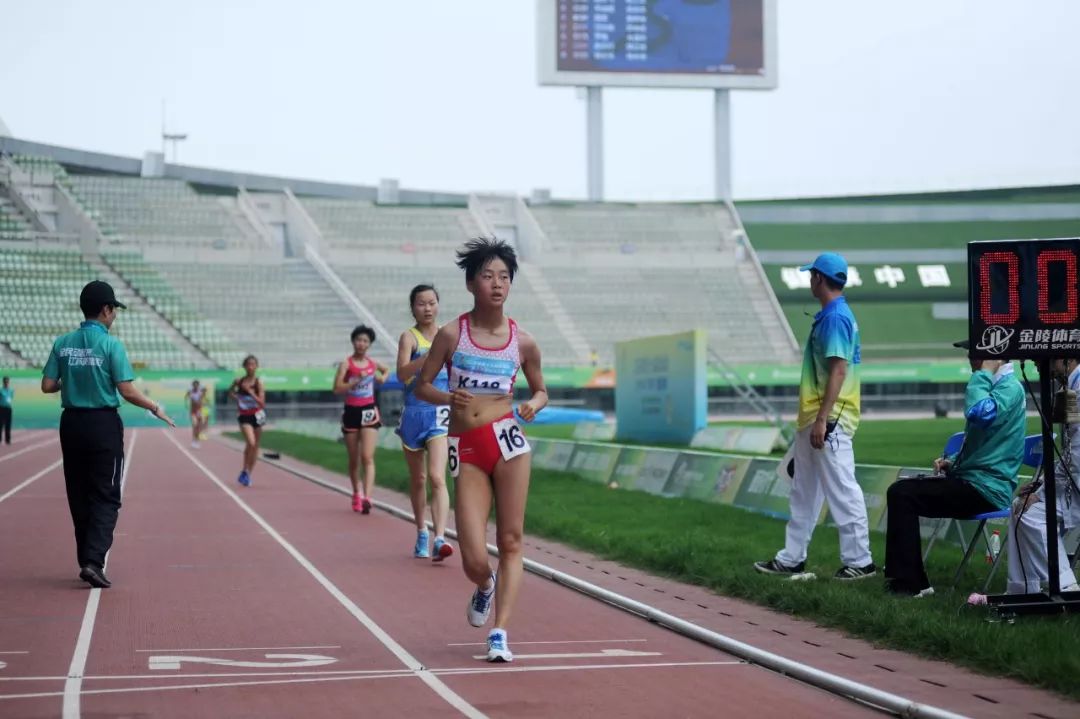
(910, 499)
(5, 424)
(92, 442)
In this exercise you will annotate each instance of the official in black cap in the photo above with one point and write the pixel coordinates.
(90, 369)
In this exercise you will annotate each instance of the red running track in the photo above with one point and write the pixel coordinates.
(278, 601)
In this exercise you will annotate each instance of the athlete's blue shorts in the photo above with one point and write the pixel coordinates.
(419, 425)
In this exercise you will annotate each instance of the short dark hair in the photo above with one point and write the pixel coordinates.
(479, 251)
(6, 378)
(829, 281)
(248, 359)
(92, 310)
(362, 330)
(421, 288)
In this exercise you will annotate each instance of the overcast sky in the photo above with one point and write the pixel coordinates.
(873, 96)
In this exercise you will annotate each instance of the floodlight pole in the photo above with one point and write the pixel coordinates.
(594, 142)
(722, 143)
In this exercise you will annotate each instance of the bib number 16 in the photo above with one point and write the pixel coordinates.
(512, 442)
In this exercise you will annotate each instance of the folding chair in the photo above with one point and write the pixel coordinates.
(952, 446)
(1033, 455)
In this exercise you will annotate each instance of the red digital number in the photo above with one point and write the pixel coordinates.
(1012, 262)
(1068, 316)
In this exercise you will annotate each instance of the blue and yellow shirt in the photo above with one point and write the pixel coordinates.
(441, 381)
(835, 333)
(89, 363)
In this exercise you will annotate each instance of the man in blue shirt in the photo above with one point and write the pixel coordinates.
(90, 369)
(980, 478)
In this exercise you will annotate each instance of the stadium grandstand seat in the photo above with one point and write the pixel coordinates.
(356, 225)
(633, 228)
(40, 291)
(132, 210)
(13, 226)
(157, 292)
(284, 313)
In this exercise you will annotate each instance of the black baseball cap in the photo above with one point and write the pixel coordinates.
(962, 344)
(96, 295)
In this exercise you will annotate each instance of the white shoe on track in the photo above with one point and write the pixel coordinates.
(479, 609)
(499, 647)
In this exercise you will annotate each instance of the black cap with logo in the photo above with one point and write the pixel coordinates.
(96, 295)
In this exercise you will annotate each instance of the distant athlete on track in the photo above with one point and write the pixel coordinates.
(488, 454)
(250, 396)
(424, 426)
(195, 398)
(356, 378)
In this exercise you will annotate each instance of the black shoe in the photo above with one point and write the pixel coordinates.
(774, 567)
(94, 577)
(850, 574)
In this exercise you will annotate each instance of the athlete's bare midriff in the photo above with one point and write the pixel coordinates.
(482, 409)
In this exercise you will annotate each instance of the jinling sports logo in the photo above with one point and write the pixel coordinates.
(995, 339)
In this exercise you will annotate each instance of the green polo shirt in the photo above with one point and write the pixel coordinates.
(6, 396)
(89, 363)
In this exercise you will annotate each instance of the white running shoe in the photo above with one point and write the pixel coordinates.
(479, 608)
(498, 647)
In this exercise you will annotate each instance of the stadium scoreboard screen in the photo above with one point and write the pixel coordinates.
(666, 43)
(1022, 299)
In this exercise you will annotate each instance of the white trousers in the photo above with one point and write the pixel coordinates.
(1030, 532)
(820, 475)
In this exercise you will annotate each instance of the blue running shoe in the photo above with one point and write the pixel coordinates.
(442, 550)
(498, 647)
(244, 479)
(479, 608)
(420, 551)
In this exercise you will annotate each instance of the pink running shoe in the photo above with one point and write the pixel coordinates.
(356, 503)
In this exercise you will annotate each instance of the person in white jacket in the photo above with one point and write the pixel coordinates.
(1028, 570)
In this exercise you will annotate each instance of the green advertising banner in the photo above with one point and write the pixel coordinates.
(594, 462)
(551, 454)
(31, 409)
(707, 477)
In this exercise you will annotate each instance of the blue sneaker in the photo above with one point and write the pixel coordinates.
(479, 608)
(498, 647)
(244, 479)
(420, 551)
(442, 550)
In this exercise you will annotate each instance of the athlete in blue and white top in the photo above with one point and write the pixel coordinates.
(489, 455)
(424, 426)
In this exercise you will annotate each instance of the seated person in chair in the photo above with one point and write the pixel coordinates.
(1027, 542)
(981, 477)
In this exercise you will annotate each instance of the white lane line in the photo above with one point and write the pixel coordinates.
(18, 652)
(26, 482)
(568, 641)
(392, 674)
(74, 680)
(602, 654)
(436, 684)
(24, 450)
(238, 649)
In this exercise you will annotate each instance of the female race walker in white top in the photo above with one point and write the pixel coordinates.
(423, 427)
(488, 453)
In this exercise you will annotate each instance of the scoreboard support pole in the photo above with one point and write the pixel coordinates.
(722, 143)
(1054, 601)
(594, 142)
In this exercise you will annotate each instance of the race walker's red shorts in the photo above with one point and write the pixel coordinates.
(484, 446)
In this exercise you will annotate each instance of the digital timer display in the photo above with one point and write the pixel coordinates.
(1023, 299)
